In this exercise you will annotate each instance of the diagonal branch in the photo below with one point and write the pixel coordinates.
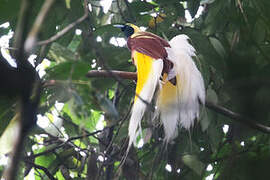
(65, 30)
(217, 108)
(236, 116)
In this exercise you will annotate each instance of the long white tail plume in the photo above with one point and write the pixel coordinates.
(146, 94)
(179, 105)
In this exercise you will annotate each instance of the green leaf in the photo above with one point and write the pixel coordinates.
(107, 106)
(193, 163)
(68, 4)
(204, 120)
(59, 175)
(44, 161)
(193, 6)
(212, 95)
(259, 31)
(75, 70)
(141, 6)
(60, 53)
(218, 46)
(214, 131)
(74, 44)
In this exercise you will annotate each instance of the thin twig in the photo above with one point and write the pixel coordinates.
(63, 31)
(113, 139)
(121, 12)
(32, 37)
(51, 150)
(243, 13)
(45, 170)
(62, 144)
(219, 109)
(41, 55)
(85, 135)
(130, 11)
(9, 48)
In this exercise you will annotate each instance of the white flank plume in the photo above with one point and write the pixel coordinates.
(184, 109)
(146, 94)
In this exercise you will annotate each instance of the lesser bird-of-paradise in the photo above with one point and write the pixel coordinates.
(169, 68)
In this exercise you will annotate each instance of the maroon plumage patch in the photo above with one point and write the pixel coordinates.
(148, 44)
(153, 46)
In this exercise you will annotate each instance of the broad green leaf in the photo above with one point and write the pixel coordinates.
(141, 6)
(259, 32)
(211, 95)
(204, 120)
(61, 54)
(107, 106)
(68, 4)
(68, 70)
(59, 175)
(218, 46)
(44, 161)
(193, 6)
(193, 163)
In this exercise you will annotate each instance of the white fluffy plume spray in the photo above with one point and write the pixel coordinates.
(178, 105)
(183, 108)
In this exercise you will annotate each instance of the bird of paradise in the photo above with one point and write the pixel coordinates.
(169, 68)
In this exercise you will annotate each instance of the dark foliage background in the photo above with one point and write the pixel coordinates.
(232, 42)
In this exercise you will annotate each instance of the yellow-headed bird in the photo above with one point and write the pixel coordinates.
(168, 66)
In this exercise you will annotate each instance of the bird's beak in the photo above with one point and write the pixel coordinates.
(118, 25)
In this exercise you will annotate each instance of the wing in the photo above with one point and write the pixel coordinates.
(148, 44)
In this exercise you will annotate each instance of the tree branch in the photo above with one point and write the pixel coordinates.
(217, 108)
(29, 92)
(105, 73)
(64, 31)
(236, 116)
